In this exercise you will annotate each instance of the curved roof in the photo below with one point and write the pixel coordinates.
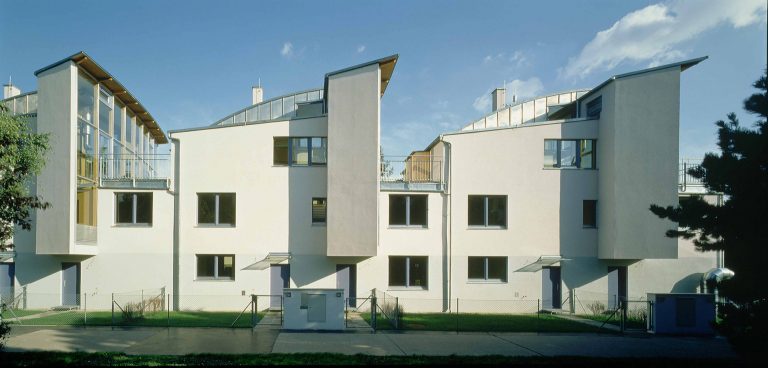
(263, 110)
(86, 63)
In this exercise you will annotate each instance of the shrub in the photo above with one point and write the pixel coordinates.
(596, 307)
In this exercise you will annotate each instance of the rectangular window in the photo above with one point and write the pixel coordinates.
(569, 153)
(300, 151)
(590, 213)
(487, 211)
(408, 210)
(319, 207)
(594, 107)
(215, 267)
(408, 271)
(133, 208)
(487, 269)
(216, 209)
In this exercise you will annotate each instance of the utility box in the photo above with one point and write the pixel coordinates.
(313, 309)
(682, 314)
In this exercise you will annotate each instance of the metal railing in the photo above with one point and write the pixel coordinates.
(685, 179)
(411, 169)
(278, 107)
(132, 166)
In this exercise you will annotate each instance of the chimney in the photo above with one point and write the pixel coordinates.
(257, 93)
(499, 98)
(9, 90)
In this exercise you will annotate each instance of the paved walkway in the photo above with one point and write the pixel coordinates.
(247, 341)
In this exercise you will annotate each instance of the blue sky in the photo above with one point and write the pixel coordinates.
(193, 62)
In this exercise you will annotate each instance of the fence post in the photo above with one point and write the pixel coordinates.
(457, 316)
(373, 310)
(623, 306)
(281, 309)
(253, 311)
(397, 313)
(113, 309)
(85, 309)
(168, 311)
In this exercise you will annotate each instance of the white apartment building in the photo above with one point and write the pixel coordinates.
(532, 202)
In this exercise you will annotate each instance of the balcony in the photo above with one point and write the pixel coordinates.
(125, 171)
(411, 173)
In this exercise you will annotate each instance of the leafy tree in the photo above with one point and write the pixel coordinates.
(740, 225)
(22, 155)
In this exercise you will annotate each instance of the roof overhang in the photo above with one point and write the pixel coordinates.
(269, 260)
(90, 66)
(540, 263)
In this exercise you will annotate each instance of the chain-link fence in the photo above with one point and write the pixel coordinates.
(357, 313)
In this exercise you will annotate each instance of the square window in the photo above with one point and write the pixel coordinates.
(568, 153)
(133, 208)
(227, 208)
(206, 266)
(397, 271)
(587, 154)
(476, 213)
(408, 271)
(487, 269)
(397, 209)
(487, 210)
(300, 151)
(497, 211)
(319, 150)
(280, 151)
(215, 267)
(319, 208)
(206, 208)
(550, 153)
(476, 268)
(417, 210)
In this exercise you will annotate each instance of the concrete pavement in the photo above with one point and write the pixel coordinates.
(178, 341)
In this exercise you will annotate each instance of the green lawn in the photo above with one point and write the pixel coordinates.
(485, 323)
(155, 319)
(21, 313)
(51, 359)
(632, 323)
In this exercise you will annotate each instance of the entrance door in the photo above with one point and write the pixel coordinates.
(550, 288)
(346, 278)
(315, 307)
(617, 286)
(70, 284)
(280, 278)
(7, 275)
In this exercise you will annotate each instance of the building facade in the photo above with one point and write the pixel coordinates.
(544, 200)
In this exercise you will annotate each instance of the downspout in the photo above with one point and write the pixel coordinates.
(449, 216)
(176, 212)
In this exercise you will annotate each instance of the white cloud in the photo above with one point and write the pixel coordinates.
(530, 87)
(360, 48)
(655, 33)
(518, 58)
(287, 50)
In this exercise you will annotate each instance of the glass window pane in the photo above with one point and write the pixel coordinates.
(206, 205)
(550, 153)
(418, 210)
(105, 117)
(288, 105)
(589, 214)
(418, 272)
(130, 121)
(568, 153)
(21, 105)
(240, 118)
(587, 154)
(280, 151)
(476, 213)
(205, 266)
(318, 210)
(277, 108)
(252, 114)
(123, 208)
(497, 268)
(497, 210)
(301, 97)
(319, 151)
(264, 111)
(227, 208)
(85, 99)
(397, 209)
(397, 271)
(313, 96)
(144, 208)
(118, 123)
(476, 268)
(32, 103)
(226, 267)
(299, 151)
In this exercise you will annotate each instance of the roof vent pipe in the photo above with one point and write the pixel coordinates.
(498, 96)
(9, 90)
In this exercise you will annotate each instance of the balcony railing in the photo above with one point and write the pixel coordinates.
(22, 104)
(135, 171)
(409, 172)
(686, 182)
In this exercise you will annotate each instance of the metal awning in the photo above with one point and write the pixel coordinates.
(270, 259)
(543, 261)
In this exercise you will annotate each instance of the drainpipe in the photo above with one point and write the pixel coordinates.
(449, 215)
(176, 202)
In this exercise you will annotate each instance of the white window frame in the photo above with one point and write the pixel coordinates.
(134, 206)
(216, 276)
(215, 210)
(485, 279)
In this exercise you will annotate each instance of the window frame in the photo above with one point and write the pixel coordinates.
(134, 210)
(558, 157)
(408, 273)
(408, 212)
(325, 214)
(216, 211)
(215, 276)
(486, 212)
(289, 160)
(486, 271)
